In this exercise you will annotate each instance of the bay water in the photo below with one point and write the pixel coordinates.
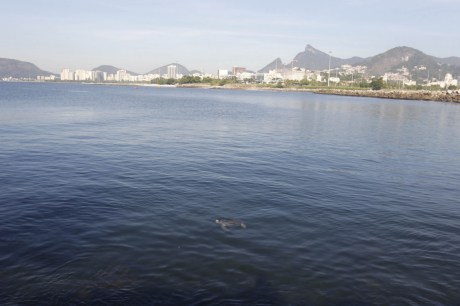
(109, 196)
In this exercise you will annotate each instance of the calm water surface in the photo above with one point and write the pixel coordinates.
(109, 195)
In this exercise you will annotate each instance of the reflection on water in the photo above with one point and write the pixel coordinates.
(110, 194)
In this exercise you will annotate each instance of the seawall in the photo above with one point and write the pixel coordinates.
(443, 96)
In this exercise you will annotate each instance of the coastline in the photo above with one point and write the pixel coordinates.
(421, 95)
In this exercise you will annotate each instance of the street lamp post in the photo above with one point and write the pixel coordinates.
(329, 72)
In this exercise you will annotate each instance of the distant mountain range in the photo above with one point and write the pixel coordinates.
(19, 69)
(389, 61)
(311, 58)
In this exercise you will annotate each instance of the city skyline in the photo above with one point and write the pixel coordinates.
(142, 35)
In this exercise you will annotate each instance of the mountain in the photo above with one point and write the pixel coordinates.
(19, 69)
(398, 57)
(314, 59)
(111, 70)
(164, 69)
(452, 61)
(276, 64)
(421, 66)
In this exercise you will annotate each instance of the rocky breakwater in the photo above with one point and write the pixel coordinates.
(444, 96)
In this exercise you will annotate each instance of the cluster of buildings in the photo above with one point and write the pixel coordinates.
(446, 83)
(343, 74)
(403, 77)
(119, 76)
(272, 76)
(172, 72)
(239, 73)
(294, 74)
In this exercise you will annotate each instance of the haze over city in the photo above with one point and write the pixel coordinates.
(207, 35)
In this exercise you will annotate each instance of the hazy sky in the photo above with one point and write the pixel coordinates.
(140, 35)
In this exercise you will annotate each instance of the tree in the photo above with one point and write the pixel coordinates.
(304, 82)
(171, 81)
(377, 84)
(159, 81)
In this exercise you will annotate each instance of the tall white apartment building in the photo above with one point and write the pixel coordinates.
(67, 75)
(82, 75)
(99, 76)
(172, 71)
(122, 75)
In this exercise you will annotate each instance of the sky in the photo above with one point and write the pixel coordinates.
(140, 35)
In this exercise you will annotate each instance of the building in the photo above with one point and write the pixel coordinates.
(448, 81)
(122, 76)
(99, 76)
(246, 76)
(273, 76)
(238, 70)
(82, 75)
(294, 74)
(43, 78)
(172, 71)
(222, 74)
(67, 75)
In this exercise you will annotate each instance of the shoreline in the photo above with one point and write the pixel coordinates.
(452, 96)
(415, 95)
(420, 95)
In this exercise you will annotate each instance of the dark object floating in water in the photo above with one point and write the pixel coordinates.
(225, 224)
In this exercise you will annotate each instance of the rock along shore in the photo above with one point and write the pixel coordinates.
(443, 96)
(424, 95)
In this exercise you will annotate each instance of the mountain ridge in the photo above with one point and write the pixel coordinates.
(20, 69)
(164, 69)
(111, 69)
(388, 61)
(396, 58)
(275, 64)
(315, 59)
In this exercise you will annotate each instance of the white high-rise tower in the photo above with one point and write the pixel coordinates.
(172, 71)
